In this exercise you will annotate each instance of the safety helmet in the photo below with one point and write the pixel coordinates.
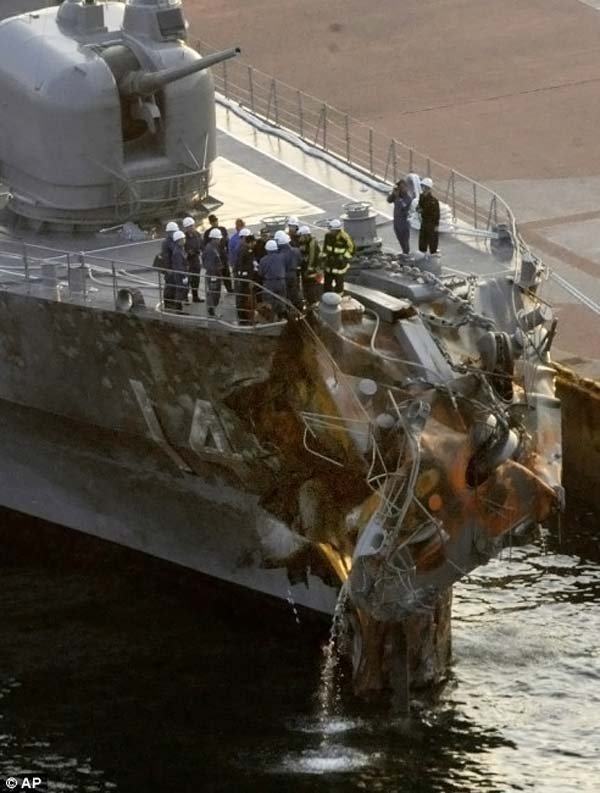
(215, 234)
(244, 232)
(271, 245)
(427, 182)
(293, 221)
(179, 235)
(281, 238)
(187, 222)
(336, 223)
(171, 226)
(303, 231)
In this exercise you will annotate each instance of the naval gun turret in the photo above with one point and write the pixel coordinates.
(106, 114)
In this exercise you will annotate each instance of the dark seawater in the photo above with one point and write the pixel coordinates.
(121, 673)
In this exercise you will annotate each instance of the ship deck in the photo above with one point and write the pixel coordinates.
(257, 174)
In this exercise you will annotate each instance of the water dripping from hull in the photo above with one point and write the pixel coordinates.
(292, 602)
(329, 693)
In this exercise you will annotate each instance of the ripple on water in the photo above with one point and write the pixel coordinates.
(331, 726)
(327, 759)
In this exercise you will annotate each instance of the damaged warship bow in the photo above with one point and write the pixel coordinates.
(381, 445)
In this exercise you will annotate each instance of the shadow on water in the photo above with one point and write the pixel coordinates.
(120, 672)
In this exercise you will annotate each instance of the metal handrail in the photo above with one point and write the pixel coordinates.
(328, 129)
(121, 274)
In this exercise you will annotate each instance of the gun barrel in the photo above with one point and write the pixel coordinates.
(143, 83)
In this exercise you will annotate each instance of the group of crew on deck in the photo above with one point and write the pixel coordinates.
(272, 273)
(266, 272)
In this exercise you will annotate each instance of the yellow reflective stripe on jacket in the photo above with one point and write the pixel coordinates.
(349, 242)
(339, 270)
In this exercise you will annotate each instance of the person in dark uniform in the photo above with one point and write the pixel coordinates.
(429, 209)
(244, 273)
(193, 250)
(338, 249)
(401, 198)
(293, 261)
(164, 259)
(213, 268)
(176, 279)
(310, 266)
(271, 270)
(259, 245)
(293, 224)
(232, 250)
(214, 224)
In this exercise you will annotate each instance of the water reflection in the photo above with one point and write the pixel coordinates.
(125, 674)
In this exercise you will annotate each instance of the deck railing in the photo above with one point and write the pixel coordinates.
(97, 278)
(335, 132)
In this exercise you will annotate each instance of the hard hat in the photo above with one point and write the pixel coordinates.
(179, 235)
(215, 234)
(427, 182)
(336, 223)
(171, 226)
(271, 245)
(303, 230)
(187, 222)
(292, 221)
(244, 232)
(281, 238)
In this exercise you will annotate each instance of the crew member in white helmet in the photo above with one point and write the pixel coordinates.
(293, 224)
(312, 276)
(338, 249)
(193, 250)
(293, 261)
(271, 270)
(176, 278)
(244, 273)
(166, 249)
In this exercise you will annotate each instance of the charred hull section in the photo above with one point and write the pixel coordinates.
(448, 398)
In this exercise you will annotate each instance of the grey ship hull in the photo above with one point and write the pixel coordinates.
(80, 450)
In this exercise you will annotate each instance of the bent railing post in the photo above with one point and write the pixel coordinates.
(276, 103)
(26, 264)
(114, 282)
(83, 274)
(300, 114)
(160, 291)
(270, 100)
(251, 87)
(347, 131)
